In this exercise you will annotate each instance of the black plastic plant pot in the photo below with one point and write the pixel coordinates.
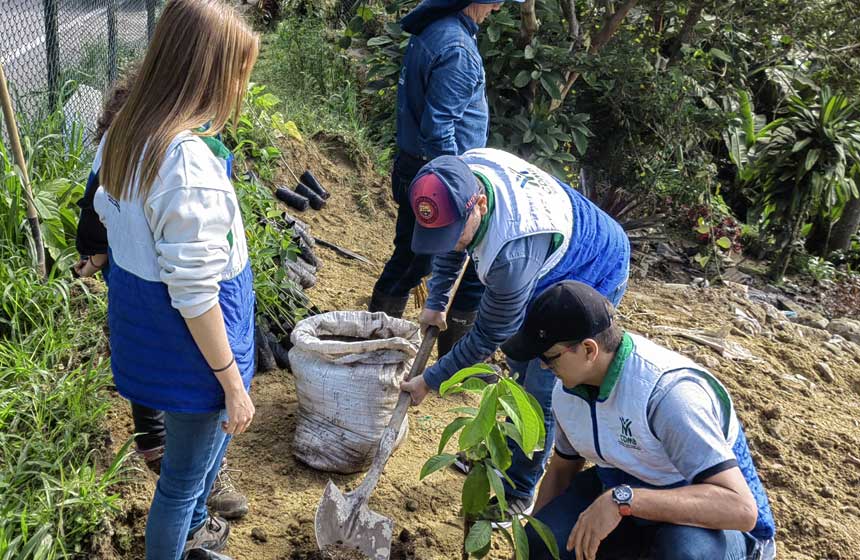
(311, 181)
(291, 199)
(316, 202)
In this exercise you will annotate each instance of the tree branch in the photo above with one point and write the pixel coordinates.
(686, 33)
(610, 27)
(568, 8)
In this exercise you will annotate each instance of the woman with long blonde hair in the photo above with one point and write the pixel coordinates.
(180, 298)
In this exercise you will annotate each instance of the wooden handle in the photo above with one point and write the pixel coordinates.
(389, 435)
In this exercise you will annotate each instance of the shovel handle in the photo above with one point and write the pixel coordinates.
(389, 435)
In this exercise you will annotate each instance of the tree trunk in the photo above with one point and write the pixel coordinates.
(528, 22)
(574, 33)
(610, 27)
(686, 33)
(846, 227)
(780, 264)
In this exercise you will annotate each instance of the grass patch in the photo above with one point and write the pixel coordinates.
(318, 84)
(55, 485)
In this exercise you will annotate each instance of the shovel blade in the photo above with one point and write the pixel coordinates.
(345, 520)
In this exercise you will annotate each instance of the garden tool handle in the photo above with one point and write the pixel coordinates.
(389, 435)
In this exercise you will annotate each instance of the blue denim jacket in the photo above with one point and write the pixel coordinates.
(441, 95)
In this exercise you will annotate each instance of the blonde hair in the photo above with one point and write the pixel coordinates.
(195, 72)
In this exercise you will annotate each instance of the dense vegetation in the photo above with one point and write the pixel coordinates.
(738, 119)
(724, 114)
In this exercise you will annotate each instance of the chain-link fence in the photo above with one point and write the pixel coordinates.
(347, 9)
(66, 53)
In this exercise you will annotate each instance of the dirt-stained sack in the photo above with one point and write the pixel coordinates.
(348, 367)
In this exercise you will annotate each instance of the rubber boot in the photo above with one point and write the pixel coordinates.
(459, 324)
(393, 306)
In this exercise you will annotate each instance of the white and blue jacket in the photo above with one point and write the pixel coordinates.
(174, 256)
(611, 429)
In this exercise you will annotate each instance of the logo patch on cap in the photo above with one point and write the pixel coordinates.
(427, 211)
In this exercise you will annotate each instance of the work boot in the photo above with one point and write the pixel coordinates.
(212, 535)
(224, 499)
(151, 457)
(393, 306)
(459, 324)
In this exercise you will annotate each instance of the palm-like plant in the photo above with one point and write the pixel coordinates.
(805, 163)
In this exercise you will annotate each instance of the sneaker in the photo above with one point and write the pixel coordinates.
(462, 464)
(224, 500)
(151, 457)
(212, 535)
(516, 507)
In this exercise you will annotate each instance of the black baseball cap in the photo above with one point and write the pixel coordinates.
(566, 311)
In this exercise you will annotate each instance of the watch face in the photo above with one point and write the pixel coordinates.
(622, 494)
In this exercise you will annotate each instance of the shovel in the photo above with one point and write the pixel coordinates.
(344, 519)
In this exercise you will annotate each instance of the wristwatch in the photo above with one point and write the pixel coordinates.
(623, 496)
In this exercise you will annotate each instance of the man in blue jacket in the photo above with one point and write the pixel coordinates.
(441, 109)
(524, 231)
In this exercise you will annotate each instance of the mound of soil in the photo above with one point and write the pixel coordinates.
(802, 418)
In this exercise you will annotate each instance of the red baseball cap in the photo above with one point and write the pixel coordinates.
(442, 196)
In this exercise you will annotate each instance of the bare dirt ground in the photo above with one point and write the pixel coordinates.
(802, 418)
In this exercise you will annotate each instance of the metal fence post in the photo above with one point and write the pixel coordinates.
(112, 41)
(52, 50)
(150, 18)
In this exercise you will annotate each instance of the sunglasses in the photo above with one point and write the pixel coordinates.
(548, 360)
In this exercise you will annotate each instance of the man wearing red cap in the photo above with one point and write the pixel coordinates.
(441, 109)
(524, 231)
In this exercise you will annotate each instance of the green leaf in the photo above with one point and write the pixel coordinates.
(291, 129)
(717, 53)
(465, 373)
(537, 408)
(581, 142)
(476, 490)
(544, 533)
(379, 41)
(811, 158)
(364, 13)
(702, 260)
(479, 536)
(436, 463)
(724, 243)
(480, 426)
(498, 488)
(498, 448)
(450, 430)
(356, 24)
(493, 33)
(521, 541)
(344, 42)
(511, 431)
(529, 52)
(529, 425)
(800, 145)
(522, 79)
(551, 83)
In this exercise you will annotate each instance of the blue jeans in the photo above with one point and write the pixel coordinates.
(633, 539)
(539, 382)
(404, 270)
(193, 451)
